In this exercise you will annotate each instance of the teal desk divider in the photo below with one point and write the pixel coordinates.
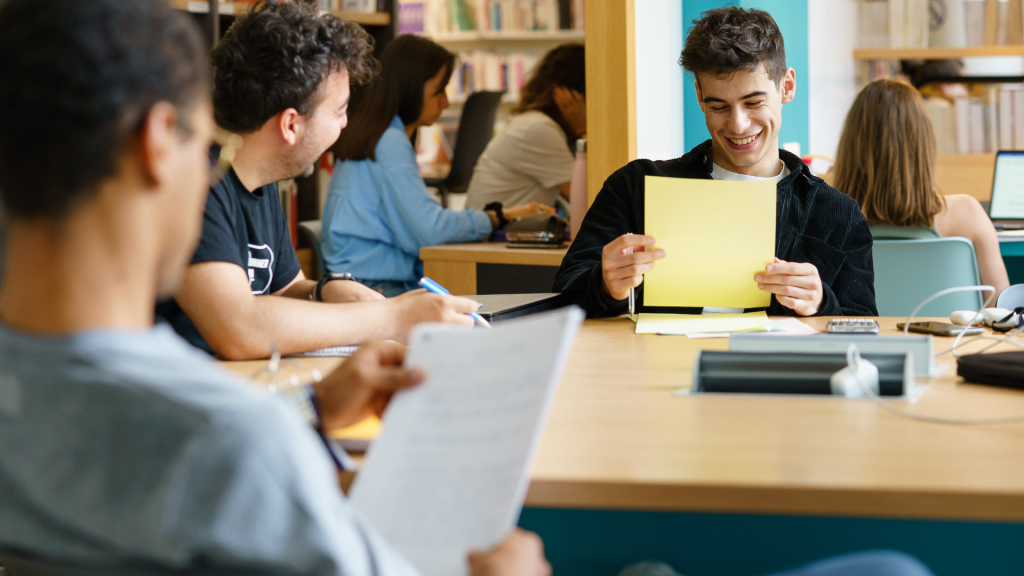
(602, 542)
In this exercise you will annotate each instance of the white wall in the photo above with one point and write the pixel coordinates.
(659, 79)
(831, 38)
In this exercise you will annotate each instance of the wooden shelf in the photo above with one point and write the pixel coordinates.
(969, 174)
(491, 36)
(936, 53)
(229, 9)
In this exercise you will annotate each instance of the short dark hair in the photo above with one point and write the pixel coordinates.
(406, 65)
(563, 65)
(726, 40)
(76, 81)
(277, 56)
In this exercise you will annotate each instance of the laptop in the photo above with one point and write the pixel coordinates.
(499, 307)
(1006, 210)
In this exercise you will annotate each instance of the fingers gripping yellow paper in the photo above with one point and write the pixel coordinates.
(716, 236)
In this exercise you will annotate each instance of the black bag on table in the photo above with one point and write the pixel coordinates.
(1004, 369)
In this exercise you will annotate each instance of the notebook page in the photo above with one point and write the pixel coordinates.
(450, 469)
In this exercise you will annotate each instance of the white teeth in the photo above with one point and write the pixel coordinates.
(743, 141)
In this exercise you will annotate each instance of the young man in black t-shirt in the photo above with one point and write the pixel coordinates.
(244, 291)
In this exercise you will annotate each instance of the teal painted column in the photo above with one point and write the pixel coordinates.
(791, 16)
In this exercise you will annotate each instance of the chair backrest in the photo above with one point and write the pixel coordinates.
(476, 128)
(908, 271)
(310, 229)
(1012, 297)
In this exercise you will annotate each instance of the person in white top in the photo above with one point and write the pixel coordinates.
(531, 160)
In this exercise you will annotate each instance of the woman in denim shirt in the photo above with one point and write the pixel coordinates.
(378, 212)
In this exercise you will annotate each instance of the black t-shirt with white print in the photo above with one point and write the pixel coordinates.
(243, 228)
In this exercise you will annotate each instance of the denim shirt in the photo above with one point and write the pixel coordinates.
(378, 215)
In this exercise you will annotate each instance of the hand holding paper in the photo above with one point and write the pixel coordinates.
(796, 286)
(623, 269)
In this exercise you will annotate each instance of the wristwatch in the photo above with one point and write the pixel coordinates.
(316, 296)
(496, 207)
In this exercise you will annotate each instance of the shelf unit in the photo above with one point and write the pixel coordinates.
(229, 9)
(492, 36)
(937, 53)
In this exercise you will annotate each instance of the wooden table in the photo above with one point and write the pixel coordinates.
(620, 446)
(491, 268)
(619, 439)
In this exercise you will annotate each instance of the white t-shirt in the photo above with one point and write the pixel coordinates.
(719, 173)
(525, 162)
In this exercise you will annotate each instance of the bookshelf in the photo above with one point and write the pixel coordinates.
(516, 36)
(937, 53)
(231, 8)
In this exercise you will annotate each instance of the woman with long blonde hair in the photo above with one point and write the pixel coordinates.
(886, 162)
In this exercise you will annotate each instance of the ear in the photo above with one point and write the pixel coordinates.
(156, 141)
(290, 125)
(788, 86)
(700, 94)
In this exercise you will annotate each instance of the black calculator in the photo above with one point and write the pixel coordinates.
(852, 326)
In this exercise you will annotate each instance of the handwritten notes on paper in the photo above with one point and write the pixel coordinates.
(716, 236)
(450, 469)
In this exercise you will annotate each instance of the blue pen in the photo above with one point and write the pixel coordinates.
(436, 288)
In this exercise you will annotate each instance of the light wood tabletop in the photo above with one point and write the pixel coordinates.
(618, 438)
(454, 265)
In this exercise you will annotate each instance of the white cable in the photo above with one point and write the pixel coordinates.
(977, 316)
(853, 360)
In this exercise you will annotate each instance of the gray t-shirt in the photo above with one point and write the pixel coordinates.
(128, 449)
(524, 163)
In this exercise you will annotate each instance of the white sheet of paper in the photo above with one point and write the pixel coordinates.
(777, 327)
(450, 469)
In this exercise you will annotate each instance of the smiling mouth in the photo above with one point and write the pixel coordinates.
(744, 141)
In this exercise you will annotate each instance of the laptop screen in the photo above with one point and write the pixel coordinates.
(1008, 187)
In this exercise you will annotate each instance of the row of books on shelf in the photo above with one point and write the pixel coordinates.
(367, 6)
(944, 23)
(981, 124)
(441, 17)
(480, 70)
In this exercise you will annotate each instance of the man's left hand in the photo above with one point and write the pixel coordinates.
(796, 285)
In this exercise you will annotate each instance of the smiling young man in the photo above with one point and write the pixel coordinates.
(823, 246)
(281, 81)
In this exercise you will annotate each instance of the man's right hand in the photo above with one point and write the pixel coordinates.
(419, 306)
(622, 270)
(521, 554)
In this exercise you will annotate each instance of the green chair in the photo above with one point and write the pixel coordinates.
(909, 270)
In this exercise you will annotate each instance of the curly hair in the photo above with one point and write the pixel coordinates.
(563, 65)
(276, 57)
(726, 40)
(77, 79)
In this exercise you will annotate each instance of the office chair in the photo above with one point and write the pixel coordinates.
(310, 230)
(1012, 297)
(476, 128)
(908, 271)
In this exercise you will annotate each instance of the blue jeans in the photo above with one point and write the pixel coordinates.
(882, 563)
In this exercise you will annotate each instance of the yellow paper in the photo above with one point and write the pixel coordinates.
(700, 324)
(716, 235)
(366, 430)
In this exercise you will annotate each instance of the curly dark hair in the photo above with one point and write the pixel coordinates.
(563, 65)
(77, 79)
(276, 57)
(726, 40)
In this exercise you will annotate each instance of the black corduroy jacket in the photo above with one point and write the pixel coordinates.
(815, 223)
